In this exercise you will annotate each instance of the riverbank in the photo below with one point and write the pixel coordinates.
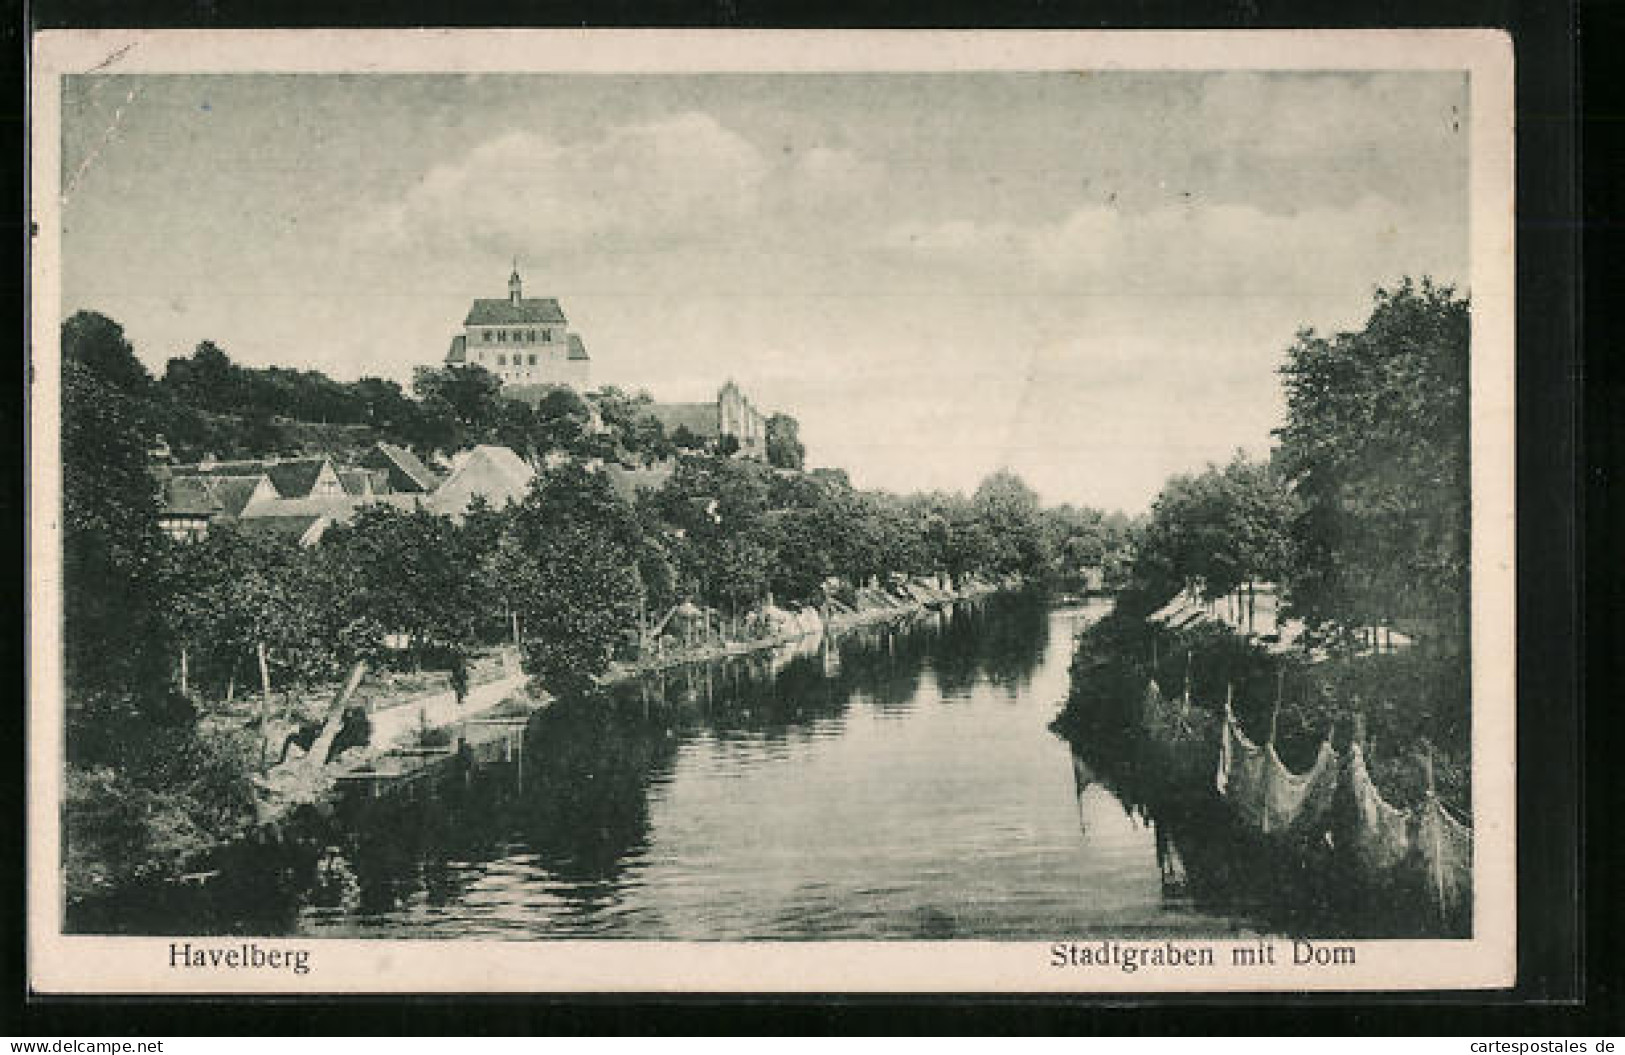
(1343, 785)
(770, 628)
(678, 810)
(415, 728)
(1414, 706)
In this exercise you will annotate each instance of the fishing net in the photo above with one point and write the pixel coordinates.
(1379, 835)
(1444, 848)
(1265, 794)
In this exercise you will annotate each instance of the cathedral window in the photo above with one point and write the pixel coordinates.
(502, 360)
(533, 359)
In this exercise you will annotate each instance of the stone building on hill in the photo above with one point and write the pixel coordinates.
(730, 414)
(524, 341)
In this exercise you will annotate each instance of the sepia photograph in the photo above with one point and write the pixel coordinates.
(727, 511)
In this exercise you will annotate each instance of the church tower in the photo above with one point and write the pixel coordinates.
(514, 288)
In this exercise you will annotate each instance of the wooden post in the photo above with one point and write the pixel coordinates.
(183, 671)
(514, 617)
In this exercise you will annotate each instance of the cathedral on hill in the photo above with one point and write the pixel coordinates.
(525, 341)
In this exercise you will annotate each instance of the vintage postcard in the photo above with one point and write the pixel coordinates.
(527, 511)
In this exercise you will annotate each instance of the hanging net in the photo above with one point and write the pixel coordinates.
(1379, 835)
(1264, 793)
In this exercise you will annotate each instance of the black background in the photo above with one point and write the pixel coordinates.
(1562, 990)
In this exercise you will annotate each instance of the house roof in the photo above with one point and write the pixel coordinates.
(699, 418)
(295, 478)
(459, 350)
(361, 480)
(496, 473)
(578, 351)
(190, 496)
(403, 461)
(235, 492)
(243, 467)
(503, 312)
(295, 527)
(339, 507)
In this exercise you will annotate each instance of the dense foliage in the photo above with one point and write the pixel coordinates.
(1218, 532)
(1376, 447)
(205, 404)
(1361, 512)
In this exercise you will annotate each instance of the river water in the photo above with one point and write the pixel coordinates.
(899, 782)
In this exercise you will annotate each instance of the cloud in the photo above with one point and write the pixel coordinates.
(667, 181)
(1197, 250)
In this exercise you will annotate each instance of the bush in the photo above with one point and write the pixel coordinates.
(174, 797)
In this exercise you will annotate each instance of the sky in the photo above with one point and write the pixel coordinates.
(1087, 278)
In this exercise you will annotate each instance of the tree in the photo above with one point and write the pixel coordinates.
(471, 393)
(1376, 446)
(1218, 531)
(563, 420)
(208, 380)
(581, 591)
(97, 344)
(115, 634)
(784, 447)
(686, 439)
(413, 575)
(1008, 510)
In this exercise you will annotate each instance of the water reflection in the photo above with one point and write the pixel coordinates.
(899, 781)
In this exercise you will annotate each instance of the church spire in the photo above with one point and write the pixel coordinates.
(513, 283)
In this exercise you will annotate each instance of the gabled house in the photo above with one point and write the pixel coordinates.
(188, 507)
(189, 504)
(292, 477)
(496, 474)
(403, 470)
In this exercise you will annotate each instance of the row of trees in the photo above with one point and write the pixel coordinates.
(569, 570)
(206, 404)
(574, 573)
(1361, 512)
